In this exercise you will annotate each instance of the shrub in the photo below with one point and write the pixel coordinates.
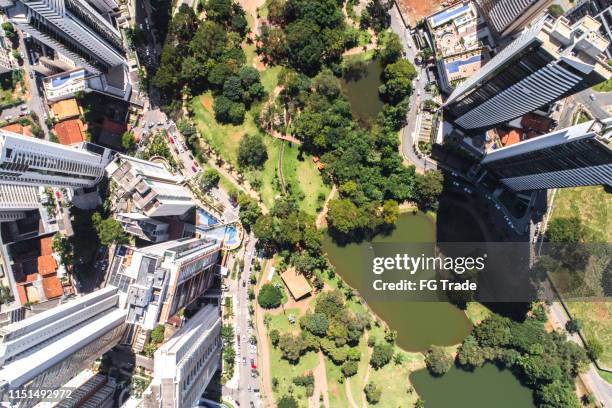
(372, 393)
(349, 368)
(381, 355)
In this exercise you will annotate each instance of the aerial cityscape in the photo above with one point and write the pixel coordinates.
(306, 203)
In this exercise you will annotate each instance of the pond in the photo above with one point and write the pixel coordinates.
(418, 324)
(360, 86)
(484, 387)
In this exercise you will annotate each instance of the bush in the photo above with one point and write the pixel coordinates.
(274, 337)
(438, 360)
(287, 401)
(157, 334)
(269, 296)
(573, 325)
(372, 393)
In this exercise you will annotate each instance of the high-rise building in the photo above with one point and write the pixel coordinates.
(30, 161)
(48, 349)
(505, 17)
(158, 280)
(153, 189)
(186, 363)
(74, 28)
(15, 200)
(580, 155)
(549, 61)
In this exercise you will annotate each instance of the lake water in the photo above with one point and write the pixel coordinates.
(362, 93)
(484, 387)
(418, 324)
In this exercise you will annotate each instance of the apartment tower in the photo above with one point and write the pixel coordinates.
(48, 349)
(506, 17)
(547, 62)
(579, 155)
(30, 161)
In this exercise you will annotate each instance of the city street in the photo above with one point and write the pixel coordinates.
(418, 94)
(36, 104)
(244, 387)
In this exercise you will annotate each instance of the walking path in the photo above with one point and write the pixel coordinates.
(323, 213)
(263, 355)
(349, 394)
(320, 385)
(364, 401)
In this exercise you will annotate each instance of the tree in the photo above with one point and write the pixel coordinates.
(127, 141)
(390, 212)
(209, 179)
(573, 325)
(427, 189)
(381, 355)
(397, 81)
(317, 324)
(555, 10)
(372, 392)
(269, 296)
(438, 360)
(470, 353)
(557, 394)
(109, 231)
(391, 50)
(349, 368)
(63, 247)
(157, 334)
(291, 347)
(249, 210)
(345, 217)
(287, 401)
(252, 151)
(376, 15)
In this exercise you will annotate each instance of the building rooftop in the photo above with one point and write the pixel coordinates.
(296, 283)
(70, 131)
(65, 109)
(17, 128)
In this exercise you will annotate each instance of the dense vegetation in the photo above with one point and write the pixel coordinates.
(201, 55)
(545, 361)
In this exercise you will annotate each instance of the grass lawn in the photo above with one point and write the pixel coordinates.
(269, 78)
(604, 86)
(337, 393)
(593, 205)
(596, 318)
(300, 173)
(281, 369)
(605, 375)
(477, 312)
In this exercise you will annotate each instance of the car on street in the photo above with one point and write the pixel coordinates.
(194, 169)
(243, 360)
(455, 184)
(593, 97)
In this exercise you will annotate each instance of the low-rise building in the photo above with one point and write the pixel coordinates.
(151, 188)
(144, 227)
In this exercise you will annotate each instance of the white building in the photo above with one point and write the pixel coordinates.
(48, 349)
(580, 155)
(29, 161)
(72, 28)
(549, 61)
(15, 200)
(508, 16)
(153, 189)
(143, 227)
(186, 363)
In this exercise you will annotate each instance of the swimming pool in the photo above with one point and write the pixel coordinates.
(205, 219)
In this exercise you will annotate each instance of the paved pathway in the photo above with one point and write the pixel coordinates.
(263, 355)
(323, 213)
(320, 386)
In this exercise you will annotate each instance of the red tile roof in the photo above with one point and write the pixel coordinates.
(46, 265)
(536, 122)
(508, 138)
(52, 287)
(23, 297)
(17, 128)
(113, 127)
(46, 246)
(70, 131)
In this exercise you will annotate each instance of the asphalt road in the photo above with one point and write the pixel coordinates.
(418, 94)
(36, 103)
